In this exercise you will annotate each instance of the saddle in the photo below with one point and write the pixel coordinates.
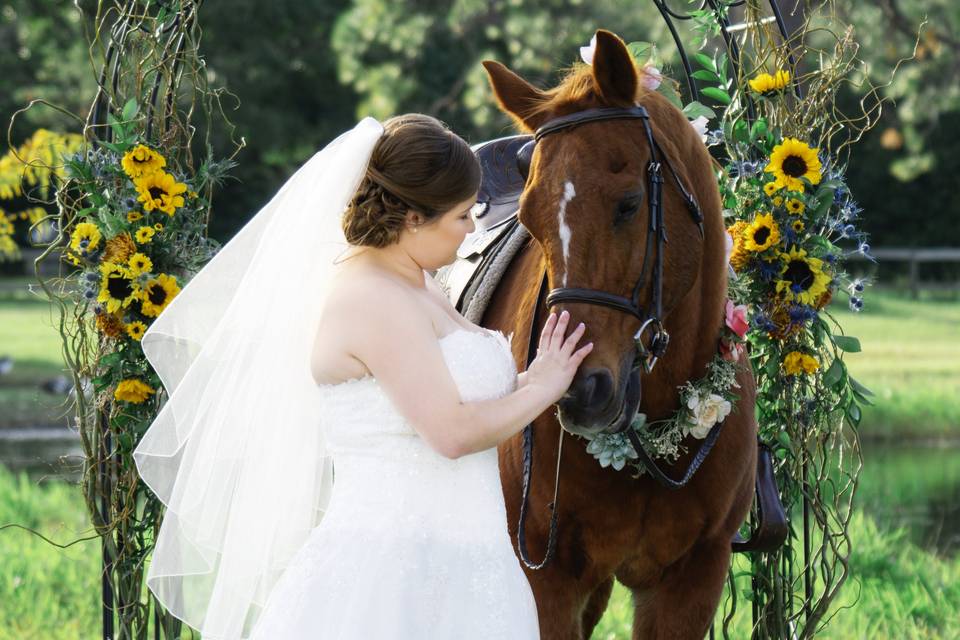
(484, 256)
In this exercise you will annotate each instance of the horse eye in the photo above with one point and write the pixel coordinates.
(628, 206)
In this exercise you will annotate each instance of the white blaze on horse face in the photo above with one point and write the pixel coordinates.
(564, 229)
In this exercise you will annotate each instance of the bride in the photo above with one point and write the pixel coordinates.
(316, 345)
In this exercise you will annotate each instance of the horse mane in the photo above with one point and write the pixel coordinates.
(575, 91)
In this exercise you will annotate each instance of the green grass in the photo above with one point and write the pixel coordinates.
(910, 360)
(896, 590)
(28, 333)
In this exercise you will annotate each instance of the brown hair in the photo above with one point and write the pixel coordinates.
(419, 164)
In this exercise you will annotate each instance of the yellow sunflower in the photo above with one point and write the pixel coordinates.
(158, 227)
(119, 248)
(157, 294)
(85, 231)
(139, 263)
(771, 188)
(796, 206)
(797, 362)
(739, 254)
(117, 289)
(160, 190)
(133, 390)
(792, 160)
(136, 329)
(778, 201)
(762, 233)
(144, 234)
(802, 278)
(797, 225)
(766, 83)
(142, 160)
(109, 325)
(134, 216)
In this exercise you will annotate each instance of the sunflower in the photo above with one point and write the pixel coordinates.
(117, 289)
(132, 390)
(157, 294)
(739, 256)
(762, 233)
(797, 225)
(135, 329)
(795, 205)
(765, 83)
(792, 160)
(144, 234)
(139, 263)
(85, 231)
(160, 190)
(119, 248)
(797, 362)
(158, 227)
(802, 278)
(134, 216)
(141, 161)
(109, 325)
(778, 201)
(771, 188)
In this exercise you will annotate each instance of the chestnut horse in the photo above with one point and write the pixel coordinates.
(584, 206)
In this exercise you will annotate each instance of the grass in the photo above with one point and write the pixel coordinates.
(896, 589)
(910, 360)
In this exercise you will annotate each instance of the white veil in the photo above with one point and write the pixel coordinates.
(237, 452)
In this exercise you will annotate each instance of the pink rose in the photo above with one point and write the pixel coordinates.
(651, 77)
(731, 350)
(737, 318)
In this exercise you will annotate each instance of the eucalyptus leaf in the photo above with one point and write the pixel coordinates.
(834, 373)
(717, 94)
(847, 343)
(705, 61)
(695, 109)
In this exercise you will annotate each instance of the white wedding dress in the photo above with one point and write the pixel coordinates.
(413, 545)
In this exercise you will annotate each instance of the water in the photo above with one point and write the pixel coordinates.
(913, 486)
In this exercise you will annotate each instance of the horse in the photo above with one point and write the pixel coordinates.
(581, 203)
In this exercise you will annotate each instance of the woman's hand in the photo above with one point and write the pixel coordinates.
(556, 362)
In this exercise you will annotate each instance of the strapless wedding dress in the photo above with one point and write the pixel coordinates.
(413, 545)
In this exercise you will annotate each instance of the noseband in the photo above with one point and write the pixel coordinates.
(652, 319)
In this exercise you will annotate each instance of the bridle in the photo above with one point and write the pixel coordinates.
(652, 319)
(645, 356)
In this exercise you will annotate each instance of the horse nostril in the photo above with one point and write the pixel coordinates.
(595, 389)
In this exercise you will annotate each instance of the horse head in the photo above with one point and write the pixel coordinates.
(615, 181)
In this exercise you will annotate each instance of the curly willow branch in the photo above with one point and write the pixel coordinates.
(146, 52)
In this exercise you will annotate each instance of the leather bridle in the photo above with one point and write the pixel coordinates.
(645, 356)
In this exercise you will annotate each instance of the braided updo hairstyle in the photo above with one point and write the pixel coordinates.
(418, 163)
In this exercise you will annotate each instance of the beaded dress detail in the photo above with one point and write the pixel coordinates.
(413, 545)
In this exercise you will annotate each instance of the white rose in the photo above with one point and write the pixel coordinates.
(586, 53)
(706, 413)
(700, 126)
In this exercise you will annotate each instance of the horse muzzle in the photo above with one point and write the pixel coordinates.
(594, 405)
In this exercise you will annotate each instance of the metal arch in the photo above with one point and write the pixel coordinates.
(670, 14)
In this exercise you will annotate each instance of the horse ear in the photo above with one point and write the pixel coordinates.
(515, 96)
(614, 71)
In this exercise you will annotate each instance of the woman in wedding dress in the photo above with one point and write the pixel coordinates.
(396, 528)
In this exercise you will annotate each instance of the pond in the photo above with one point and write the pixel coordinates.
(902, 485)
